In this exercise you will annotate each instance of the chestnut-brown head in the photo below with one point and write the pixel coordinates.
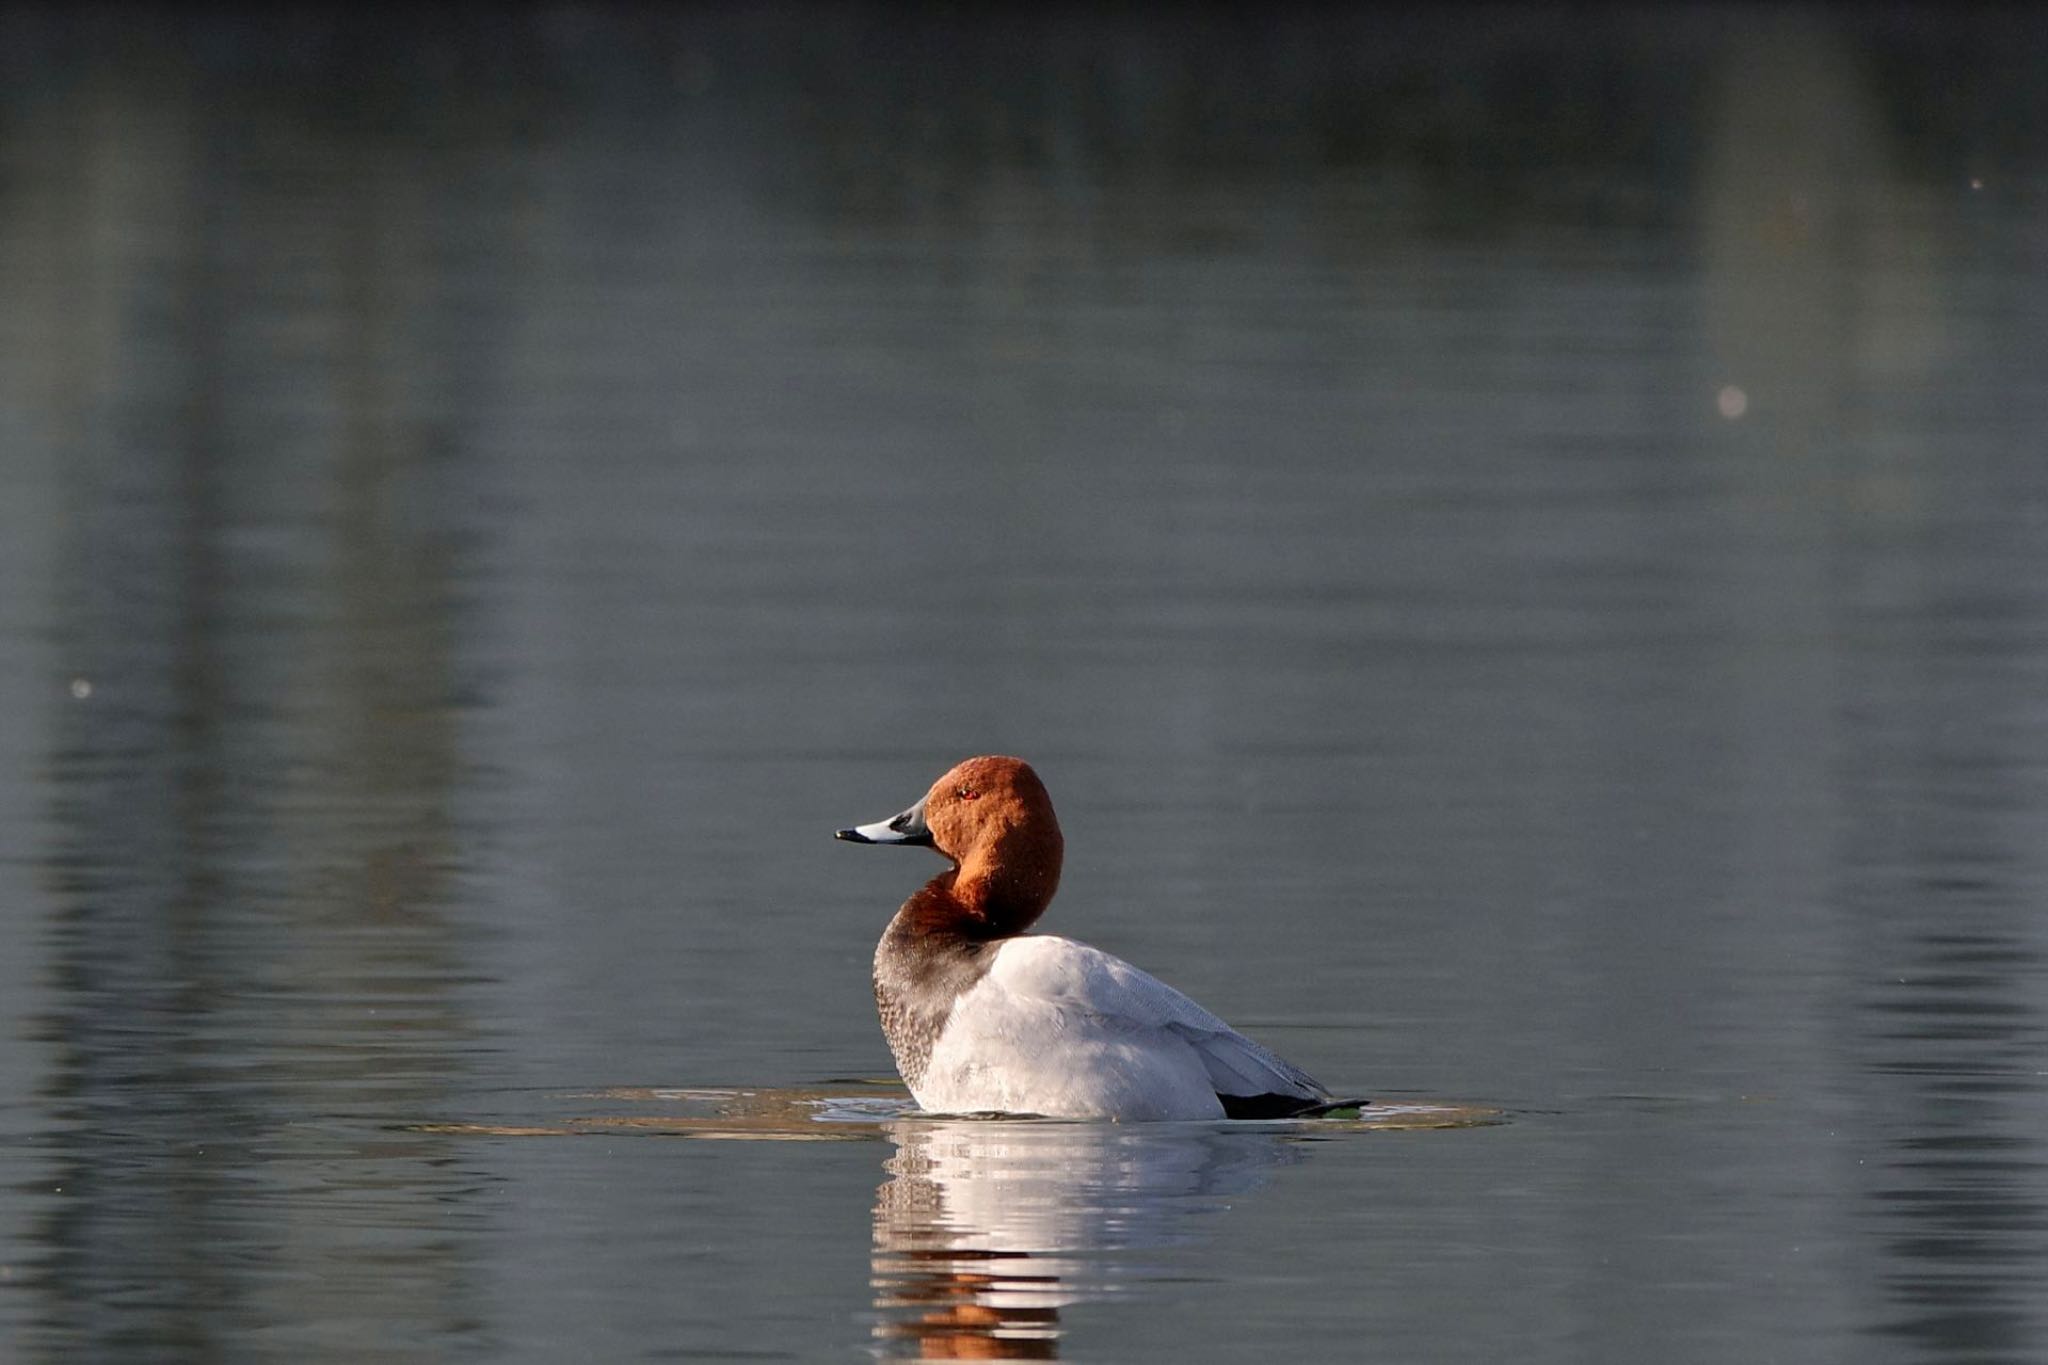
(991, 816)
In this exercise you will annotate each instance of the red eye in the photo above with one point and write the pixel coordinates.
(968, 794)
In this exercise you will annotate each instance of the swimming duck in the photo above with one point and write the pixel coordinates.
(983, 1017)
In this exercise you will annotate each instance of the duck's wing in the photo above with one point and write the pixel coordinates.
(1088, 981)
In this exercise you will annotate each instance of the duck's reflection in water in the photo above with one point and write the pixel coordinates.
(985, 1229)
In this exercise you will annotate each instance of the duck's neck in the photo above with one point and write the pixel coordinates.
(1004, 884)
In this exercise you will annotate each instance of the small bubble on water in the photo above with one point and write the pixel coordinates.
(81, 688)
(1732, 402)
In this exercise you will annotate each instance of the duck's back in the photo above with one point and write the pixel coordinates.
(1059, 1028)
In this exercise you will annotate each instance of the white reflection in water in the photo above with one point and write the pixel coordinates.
(985, 1230)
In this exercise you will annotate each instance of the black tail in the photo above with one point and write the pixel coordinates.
(1281, 1106)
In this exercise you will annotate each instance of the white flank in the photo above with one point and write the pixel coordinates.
(1062, 1029)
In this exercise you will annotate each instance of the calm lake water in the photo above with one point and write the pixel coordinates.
(1519, 544)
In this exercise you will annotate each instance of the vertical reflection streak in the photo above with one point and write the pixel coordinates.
(254, 843)
(985, 1230)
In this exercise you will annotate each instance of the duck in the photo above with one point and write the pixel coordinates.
(983, 1017)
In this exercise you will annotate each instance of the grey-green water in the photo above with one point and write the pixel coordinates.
(1518, 541)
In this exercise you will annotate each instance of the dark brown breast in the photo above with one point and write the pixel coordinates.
(931, 954)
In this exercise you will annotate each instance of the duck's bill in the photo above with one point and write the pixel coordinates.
(907, 828)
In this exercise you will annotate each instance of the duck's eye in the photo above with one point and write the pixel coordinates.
(968, 794)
